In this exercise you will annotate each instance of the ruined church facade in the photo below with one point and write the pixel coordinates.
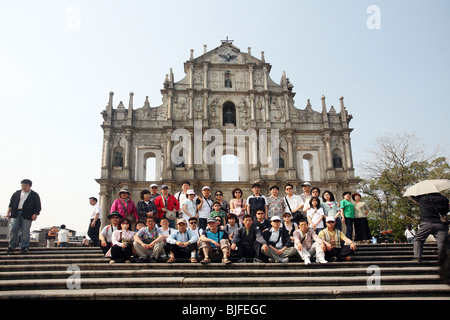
(226, 104)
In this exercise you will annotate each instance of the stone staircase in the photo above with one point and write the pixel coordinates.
(83, 273)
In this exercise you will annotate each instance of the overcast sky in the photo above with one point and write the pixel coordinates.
(60, 59)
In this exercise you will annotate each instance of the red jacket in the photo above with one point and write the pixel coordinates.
(172, 204)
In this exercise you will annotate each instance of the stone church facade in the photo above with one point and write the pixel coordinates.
(226, 104)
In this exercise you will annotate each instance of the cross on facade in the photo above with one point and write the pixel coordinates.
(227, 41)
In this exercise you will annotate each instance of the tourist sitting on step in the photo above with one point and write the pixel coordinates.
(122, 243)
(214, 240)
(248, 241)
(308, 243)
(331, 245)
(279, 242)
(105, 235)
(182, 243)
(148, 242)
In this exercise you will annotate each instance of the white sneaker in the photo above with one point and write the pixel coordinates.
(322, 260)
(307, 261)
(284, 260)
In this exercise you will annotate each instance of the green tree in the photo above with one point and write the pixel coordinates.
(397, 162)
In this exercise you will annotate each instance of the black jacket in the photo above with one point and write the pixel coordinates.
(284, 234)
(254, 234)
(31, 206)
(430, 206)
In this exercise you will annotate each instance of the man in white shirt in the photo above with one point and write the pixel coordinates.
(293, 202)
(96, 218)
(204, 206)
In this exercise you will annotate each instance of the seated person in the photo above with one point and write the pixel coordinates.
(331, 245)
(214, 239)
(105, 236)
(249, 241)
(308, 244)
(279, 242)
(182, 243)
(260, 222)
(122, 241)
(149, 242)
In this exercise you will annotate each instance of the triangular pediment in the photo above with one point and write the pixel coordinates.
(226, 54)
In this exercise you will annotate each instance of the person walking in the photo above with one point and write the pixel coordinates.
(96, 218)
(24, 207)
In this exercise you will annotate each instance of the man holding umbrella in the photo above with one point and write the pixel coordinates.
(433, 211)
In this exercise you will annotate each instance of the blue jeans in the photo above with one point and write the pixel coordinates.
(19, 229)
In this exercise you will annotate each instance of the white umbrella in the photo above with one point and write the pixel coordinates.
(427, 186)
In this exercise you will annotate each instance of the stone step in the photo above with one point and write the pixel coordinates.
(216, 273)
(244, 293)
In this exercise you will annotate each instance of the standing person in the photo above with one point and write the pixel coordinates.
(431, 206)
(51, 236)
(189, 206)
(410, 234)
(275, 203)
(238, 204)
(293, 203)
(331, 208)
(306, 195)
(24, 207)
(256, 201)
(331, 243)
(126, 207)
(362, 231)
(154, 192)
(63, 237)
(95, 222)
(348, 213)
(315, 215)
(182, 195)
(204, 206)
(223, 203)
(315, 192)
(248, 241)
(167, 206)
(217, 211)
(146, 207)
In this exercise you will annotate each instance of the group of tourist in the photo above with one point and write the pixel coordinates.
(255, 228)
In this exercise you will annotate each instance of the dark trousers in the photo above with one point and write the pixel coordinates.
(349, 225)
(439, 231)
(93, 232)
(249, 250)
(339, 253)
(119, 253)
(180, 252)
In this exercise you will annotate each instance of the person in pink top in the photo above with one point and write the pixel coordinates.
(126, 207)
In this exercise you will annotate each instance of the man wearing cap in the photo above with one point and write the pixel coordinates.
(165, 203)
(331, 245)
(214, 239)
(182, 243)
(306, 195)
(279, 242)
(154, 192)
(105, 235)
(204, 206)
